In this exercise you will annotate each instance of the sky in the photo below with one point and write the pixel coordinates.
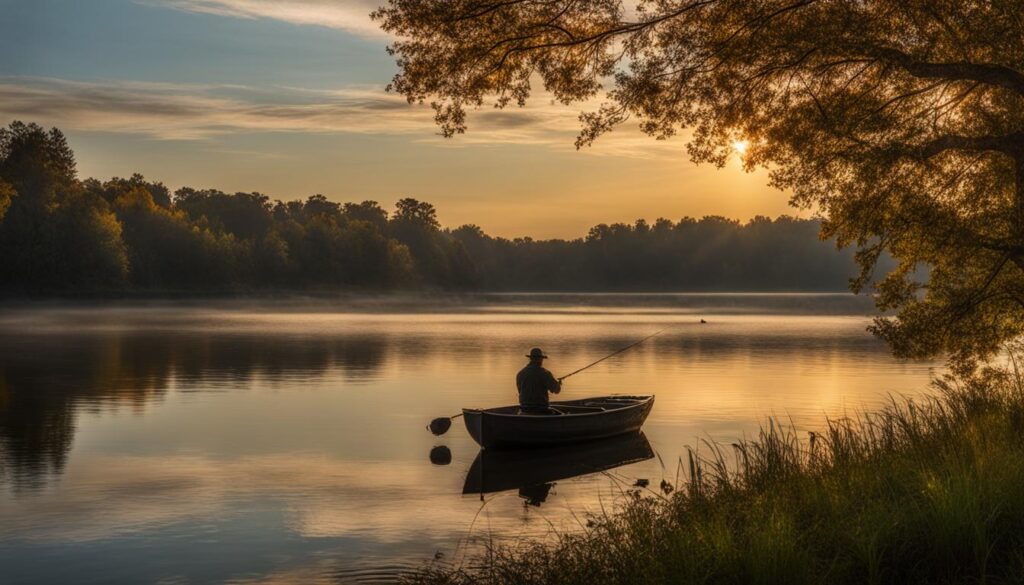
(286, 97)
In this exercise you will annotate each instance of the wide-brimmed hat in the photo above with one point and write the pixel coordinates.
(536, 353)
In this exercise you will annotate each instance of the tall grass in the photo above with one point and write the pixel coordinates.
(921, 492)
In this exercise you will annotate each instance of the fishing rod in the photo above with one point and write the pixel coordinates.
(613, 354)
(440, 426)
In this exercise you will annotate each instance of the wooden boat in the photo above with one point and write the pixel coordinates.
(571, 421)
(496, 470)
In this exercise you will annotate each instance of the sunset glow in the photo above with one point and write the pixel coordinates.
(287, 98)
(511, 292)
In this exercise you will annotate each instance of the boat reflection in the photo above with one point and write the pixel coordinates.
(441, 455)
(534, 471)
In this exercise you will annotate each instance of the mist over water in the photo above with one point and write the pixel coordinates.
(284, 441)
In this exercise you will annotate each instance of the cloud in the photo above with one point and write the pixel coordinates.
(166, 111)
(193, 112)
(348, 15)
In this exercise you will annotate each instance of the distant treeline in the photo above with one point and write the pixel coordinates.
(60, 234)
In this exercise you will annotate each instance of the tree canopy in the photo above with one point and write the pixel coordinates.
(900, 122)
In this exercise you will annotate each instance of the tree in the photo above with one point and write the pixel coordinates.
(93, 252)
(902, 122)
(368, 211)
(36, 163)
(245, 215)
(416, 214)
(168, 252)
(7, 193)
(318, 205)
(414, 224)
(38, 169)
(111, 189)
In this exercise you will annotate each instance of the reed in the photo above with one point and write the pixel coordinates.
(925, 491)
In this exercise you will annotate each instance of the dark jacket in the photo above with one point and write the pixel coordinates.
(534, 383)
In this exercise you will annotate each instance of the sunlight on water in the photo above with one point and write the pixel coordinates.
(286, 443)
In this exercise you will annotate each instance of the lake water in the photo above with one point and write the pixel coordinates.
(279, 442)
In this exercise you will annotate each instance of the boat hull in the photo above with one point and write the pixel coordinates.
(505, 428)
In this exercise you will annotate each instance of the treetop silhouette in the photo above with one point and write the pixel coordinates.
(60, 235)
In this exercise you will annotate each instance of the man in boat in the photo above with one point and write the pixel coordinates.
(534, 382)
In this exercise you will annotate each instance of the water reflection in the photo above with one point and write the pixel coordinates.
(441, 455)
(534, 471)
(535, 494)
(36, 430)
(208, 445)
(46, 379)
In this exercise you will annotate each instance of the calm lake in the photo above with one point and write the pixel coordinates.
(280, 442)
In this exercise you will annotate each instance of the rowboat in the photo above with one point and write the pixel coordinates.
(571, 421)
(496, 470)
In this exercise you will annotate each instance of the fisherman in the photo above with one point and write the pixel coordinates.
(534, 382)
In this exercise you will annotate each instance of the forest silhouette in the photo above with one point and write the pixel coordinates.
(62, 235)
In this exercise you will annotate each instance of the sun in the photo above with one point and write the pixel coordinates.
(740, 146)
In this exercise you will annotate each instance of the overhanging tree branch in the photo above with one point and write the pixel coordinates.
(1007, 144)
(997, 75)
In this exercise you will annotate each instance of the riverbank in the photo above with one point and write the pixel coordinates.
(926, 491)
